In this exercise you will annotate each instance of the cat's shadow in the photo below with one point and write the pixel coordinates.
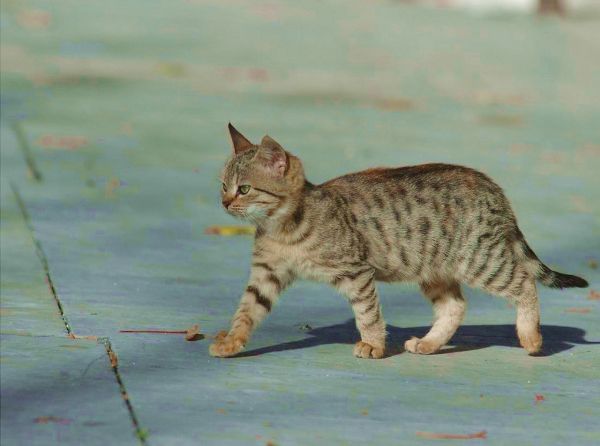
(468, 337)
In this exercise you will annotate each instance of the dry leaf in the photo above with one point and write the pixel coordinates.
(34, 19)
(193, 333)
(89, 338)
(112, 185)
(594, 295)
(578, 310)
(395, 104)
(443, 436)
(66, 142)
(114, 361)
(51, 419)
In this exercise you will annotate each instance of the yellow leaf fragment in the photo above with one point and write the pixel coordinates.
(230, 230)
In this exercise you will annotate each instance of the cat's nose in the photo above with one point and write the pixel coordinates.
(226, 202)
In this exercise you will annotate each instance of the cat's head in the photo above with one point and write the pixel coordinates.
(259, 181)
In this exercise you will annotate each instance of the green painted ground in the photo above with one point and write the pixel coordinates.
(119, 110)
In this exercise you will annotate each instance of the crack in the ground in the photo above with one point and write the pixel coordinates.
(41, 256)
(24, 146)
(140, 433)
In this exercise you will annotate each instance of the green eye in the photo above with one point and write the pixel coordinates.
(224, 187)
(244, 189)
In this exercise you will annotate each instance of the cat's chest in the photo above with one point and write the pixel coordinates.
(304, 263)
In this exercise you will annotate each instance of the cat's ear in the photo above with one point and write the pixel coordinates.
(240, 143)
(274, 157)
(270, 143)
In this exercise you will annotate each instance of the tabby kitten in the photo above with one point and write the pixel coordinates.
(436, 224)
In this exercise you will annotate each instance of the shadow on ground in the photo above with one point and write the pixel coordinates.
(468, 337)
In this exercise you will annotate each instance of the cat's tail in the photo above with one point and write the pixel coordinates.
(554, 279)
(544, 274)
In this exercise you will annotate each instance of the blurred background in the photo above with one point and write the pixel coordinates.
(129, 101)
(490, 83)
(113, 134)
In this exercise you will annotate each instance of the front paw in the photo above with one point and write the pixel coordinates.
(226, 345)
(364, 350)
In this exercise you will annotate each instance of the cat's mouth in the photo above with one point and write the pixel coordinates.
(252, 213)
(236, 211)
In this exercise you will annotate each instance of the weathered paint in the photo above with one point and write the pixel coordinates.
(125, 115)
(60, 391)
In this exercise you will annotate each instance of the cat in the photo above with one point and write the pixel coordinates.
(436, 224)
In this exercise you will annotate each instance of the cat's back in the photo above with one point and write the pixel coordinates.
(414, 218)
(436, 192)
(435, 176)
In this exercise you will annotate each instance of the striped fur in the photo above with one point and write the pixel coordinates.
(435, 224)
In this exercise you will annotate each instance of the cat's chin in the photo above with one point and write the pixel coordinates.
(253, 218)
(238, 215)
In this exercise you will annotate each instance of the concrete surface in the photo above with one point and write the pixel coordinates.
(113, 134)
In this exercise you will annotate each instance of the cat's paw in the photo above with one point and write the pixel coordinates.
(226, 345)
(531, 343)
(364, 350)
(420, 346)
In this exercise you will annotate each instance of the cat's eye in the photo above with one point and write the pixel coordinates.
(224, 186)
(244, 189)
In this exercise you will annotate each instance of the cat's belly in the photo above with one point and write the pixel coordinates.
(393, 276)
(325, 264)
(314, 269)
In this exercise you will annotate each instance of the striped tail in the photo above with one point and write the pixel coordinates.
(545, 275)
(554, 279)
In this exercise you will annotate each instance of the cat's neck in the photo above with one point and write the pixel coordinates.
(289, 216)
(292, 207)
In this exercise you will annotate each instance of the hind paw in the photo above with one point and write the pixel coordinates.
(421, 346)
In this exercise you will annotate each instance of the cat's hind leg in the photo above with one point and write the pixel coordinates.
(449, 309)
(528, 318)
(520, 288)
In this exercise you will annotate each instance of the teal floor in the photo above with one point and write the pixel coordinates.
(113, 132)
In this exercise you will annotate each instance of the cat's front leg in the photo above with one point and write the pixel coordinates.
(266, 283)
(359, 287)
